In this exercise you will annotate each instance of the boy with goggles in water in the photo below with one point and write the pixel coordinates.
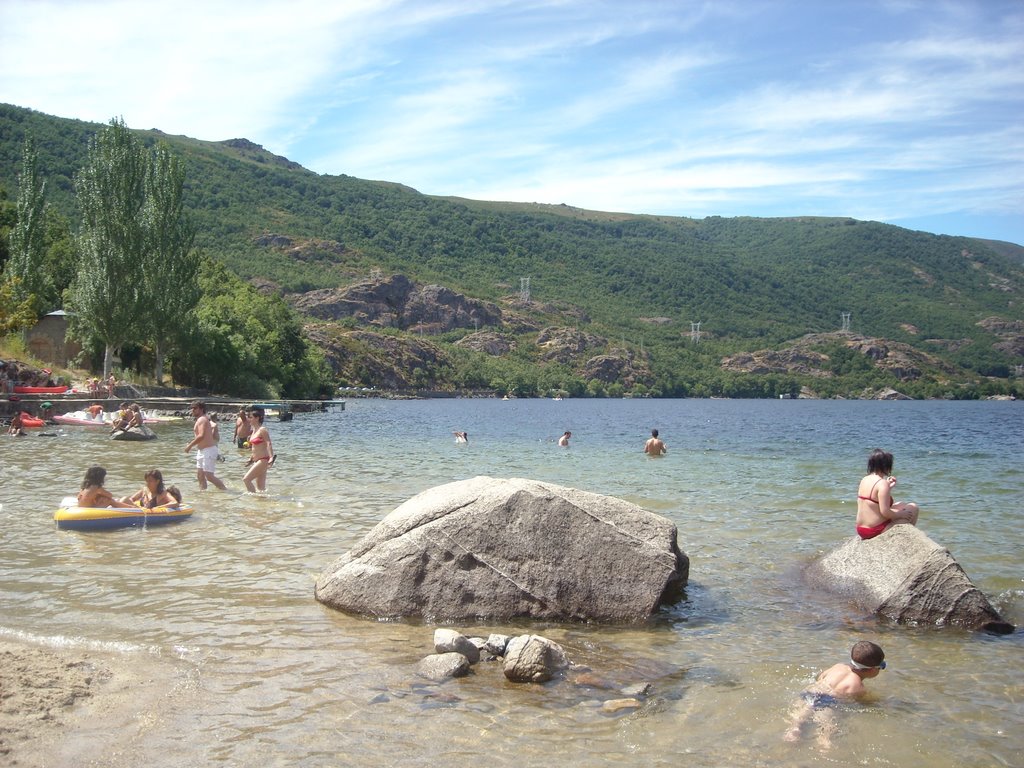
(840, 681)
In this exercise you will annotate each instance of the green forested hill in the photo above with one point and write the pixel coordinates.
(753, 284)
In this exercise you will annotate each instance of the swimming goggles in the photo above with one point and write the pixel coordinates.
(855, 665)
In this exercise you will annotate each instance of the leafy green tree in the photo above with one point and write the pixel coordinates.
(171, 265)
(15, 314)
(107, 292)
(27, 240)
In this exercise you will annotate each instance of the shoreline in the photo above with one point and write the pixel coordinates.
(64, 705)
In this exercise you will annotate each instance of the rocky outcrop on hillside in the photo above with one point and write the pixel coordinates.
(1011, 333)
(617, 367)
(397, 302)
(792, 360)
(488, 342)
(567, 345)
(805, 358)
(388, 362)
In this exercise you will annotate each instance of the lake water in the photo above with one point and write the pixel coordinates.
(261, 674)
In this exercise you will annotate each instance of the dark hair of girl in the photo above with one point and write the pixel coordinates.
(94, 476)
(156, 475)
(880, 461)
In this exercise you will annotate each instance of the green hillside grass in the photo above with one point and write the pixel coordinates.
(753, 283)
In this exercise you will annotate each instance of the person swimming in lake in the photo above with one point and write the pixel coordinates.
(564, 439)
(153, 494)
(263, 456)
(461, 437)
(94, 495)
(876, 509)
(843, 681)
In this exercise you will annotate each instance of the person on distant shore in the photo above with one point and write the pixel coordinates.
(206, 448)
(111, 385)
(242, 428)
(461, 437)
(94, 495)
(840, 681)
(876, 509)
(263, 456)
(654, 446)
(153, 494)
(564, 439)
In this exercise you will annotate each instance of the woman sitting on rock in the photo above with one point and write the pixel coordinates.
(876, 509)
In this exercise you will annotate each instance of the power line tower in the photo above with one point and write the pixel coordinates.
(695, 332)
(846, 320)
(524, 290)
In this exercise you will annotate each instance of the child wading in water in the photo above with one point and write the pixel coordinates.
(838, 682)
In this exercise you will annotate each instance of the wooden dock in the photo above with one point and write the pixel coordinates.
(61, 404)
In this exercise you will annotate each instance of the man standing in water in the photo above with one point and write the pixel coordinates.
(654, 446)
(564, 439)
(205, 443)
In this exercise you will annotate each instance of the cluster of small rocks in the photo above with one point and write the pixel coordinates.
(525, 659)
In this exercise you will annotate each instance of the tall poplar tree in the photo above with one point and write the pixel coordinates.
(107, 293)
(171, 266)
(27, 241)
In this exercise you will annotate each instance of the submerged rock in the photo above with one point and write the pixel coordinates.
(441, 666)
(533, 659)
(504, 548)
(906, 577)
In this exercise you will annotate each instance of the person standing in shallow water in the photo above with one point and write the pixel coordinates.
(242, 428)
(654, 446)
(205, 444)
(255, 478)
(564, 439)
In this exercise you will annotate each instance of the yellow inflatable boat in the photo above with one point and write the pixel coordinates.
(71, 517)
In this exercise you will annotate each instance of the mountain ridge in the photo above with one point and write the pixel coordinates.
(752, 283)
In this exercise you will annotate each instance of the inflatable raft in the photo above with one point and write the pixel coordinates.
(22, 389)
(30, 422)
(71, 517)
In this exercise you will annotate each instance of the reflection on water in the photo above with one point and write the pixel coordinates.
(756, 489)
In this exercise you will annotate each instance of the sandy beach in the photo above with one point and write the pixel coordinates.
(63, 706)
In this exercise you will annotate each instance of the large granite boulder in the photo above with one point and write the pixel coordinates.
(905, 576)
(505, 548)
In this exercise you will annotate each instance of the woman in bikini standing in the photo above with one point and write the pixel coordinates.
(876, 509)
(262, 453)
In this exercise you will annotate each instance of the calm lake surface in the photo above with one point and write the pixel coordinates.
(261, 674)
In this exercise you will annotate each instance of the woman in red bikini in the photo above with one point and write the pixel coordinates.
(876, 509)
(262, 453)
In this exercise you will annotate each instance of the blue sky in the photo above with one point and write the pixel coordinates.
(894, 110)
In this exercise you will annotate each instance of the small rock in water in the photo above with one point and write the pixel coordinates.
(450, 641)
(591, 680)
(617, 705)
(496, 644)
(636, 691)
(441, 666)
(533, 659)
